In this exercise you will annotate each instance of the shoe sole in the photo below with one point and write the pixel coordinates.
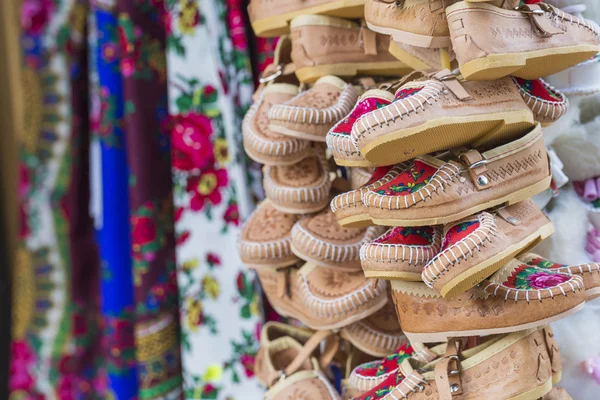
(353, 163)
(407, 58)
(513, 198)
(527, 65)
(478, 273)
(356, 221)
(444, 336)
(535, 394)
(384, 68)
(446, 133)
(394, 275)
(279, 25)
(412, 39)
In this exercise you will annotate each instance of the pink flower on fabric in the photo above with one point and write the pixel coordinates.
(35, 15)
(544, 280)
(232, 214)
(207, 188)
(247, 362)
(191, 146)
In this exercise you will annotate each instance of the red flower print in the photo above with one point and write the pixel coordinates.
(183, 237)
(21, 361)
(213, 259)
(247, 362)
(191, 146)
(144, 231)
(79, 324)
(543, 280)
(232, 214)
(241, 282)
(35, 15)
(206, 187)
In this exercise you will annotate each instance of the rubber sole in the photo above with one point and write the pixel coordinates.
(444, 336)
(352, 163)
(446, 133)
(527, 65)
(510, 199)
(279, 24)
(407, 58)
(383, 68)
(393, 275)
(356, 221)
(478, 273)
(556, 378)
(535, 394)
(412, 39)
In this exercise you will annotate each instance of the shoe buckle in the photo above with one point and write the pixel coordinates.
(476, 164)
(278, 72)
(458, 366)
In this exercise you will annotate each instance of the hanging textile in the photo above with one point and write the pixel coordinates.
(210, 88)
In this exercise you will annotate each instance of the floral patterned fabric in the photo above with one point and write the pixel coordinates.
(210, 89)
(537, 89)
(367, 104)
(526, 277)
(383, 388)
(459, 231)
(409, 181)
(410, 236)
(385, 365)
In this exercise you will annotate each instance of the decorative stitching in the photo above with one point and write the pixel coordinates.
(417, 254)
(574, 284)
(573, 20)
(411, 382)
(366, 383)
(372, 337)
(474, 241)
(557, 109)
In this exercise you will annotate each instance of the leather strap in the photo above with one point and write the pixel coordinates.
(508, 217)
(452, 83)
(447, 370)
(477, 168)
(539, 18)
(369, 40)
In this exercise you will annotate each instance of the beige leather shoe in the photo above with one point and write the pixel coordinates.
(265, 240)
(545, 101)
(530, 42)
(334, 46)
(439, 114)
(312, 113)
(517, 297)
(511, 367)
(590, 272)
(348, 207)
(434, 191)
(401, 253)
(291, 365)
(299, 188)
(321, 240)
(476, 247)
(271, 19)
(420, 23)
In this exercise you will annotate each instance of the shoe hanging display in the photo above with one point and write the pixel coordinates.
(402, 143)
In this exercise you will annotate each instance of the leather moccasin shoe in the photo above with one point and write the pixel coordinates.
(530, 42)
(546, 102)
(401, 253)
(349, 208)
(521, 360)
(271, 19)
(476, 247)
(441, 113)
(590, 272)
(322, 241)
(312, 113)
(299, 188)
(517, 297)
(434, 191)
(324, 45)
(265, 240)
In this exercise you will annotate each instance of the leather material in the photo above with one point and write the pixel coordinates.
(510, 167)
(261, 9)
(479, 30)
(544, 111)
(557, 394)
(265, 239)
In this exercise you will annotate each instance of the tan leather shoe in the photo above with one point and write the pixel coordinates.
(545, 101)
(338, 138)
(291, 365)
(265, 240)
(312, 113)
(439, 114)
(517, 297)
(476, 247)
(271, 19)
(299, 188)
(510, 367)
(420, 23)
(359, 177)
(401, 253)
(530, 42)
(349, 208)
(434, 191)
(321, 240)
(322, 298)
(334, 46)
(590, 272)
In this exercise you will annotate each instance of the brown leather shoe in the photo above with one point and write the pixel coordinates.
(420, 23)
(517, 297)
(299, 188)
(312, 113)
(434, 191)
(476, 247)
(289, 363)
(590, 272)
(321, 240)
(530, 42)
(322, 298)
(349, 208)
(271, 19)
(401, 253)
(510, 367)
(334, 46)
(265, 239)
(439, 114)
(545, 101)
